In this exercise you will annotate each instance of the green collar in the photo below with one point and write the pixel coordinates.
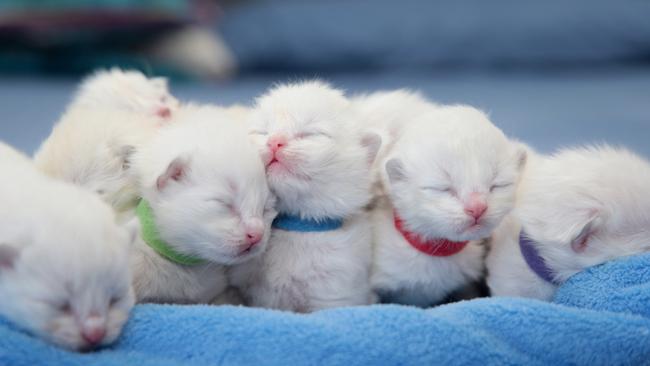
(152, 238)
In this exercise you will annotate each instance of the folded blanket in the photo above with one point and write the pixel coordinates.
(605, 329)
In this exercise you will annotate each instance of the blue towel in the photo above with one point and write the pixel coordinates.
(602, 326)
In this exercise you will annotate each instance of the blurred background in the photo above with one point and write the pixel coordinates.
(552, 73)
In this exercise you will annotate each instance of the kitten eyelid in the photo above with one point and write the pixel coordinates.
(501, 185)
(437, 188)
(258, 132)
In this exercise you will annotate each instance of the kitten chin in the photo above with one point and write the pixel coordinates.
(318, 165)
(47, 228)
(207, 190)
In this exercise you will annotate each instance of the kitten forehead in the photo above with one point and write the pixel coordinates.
(301, 104)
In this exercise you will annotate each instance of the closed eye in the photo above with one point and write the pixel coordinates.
(308, 134)
(258, 132)
(501, 185)
(436, 188)
(222, 202)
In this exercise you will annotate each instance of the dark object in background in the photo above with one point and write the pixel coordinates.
(75, 36)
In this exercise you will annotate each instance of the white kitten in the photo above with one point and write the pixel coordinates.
(205, 185)
(126, 90)
(578, 208)
(64, 269)
(92, 148)
(318, 166)
(451, 178)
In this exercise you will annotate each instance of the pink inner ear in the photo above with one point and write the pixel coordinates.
(580, 246)
(175, 171)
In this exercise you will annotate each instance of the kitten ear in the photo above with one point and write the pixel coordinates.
(521, 156)
(176, 171)
(395, 170)
(8, 256)
(125, 154)
(371, 142)
(581, 233)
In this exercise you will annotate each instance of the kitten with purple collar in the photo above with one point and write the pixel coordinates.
(64, 265)
(450, 179)
(577, 208)
(318, 165)
(200, 209)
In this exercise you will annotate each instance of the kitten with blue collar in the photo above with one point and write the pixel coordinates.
(450, 179)
(576, 208)
(200, 209)
(318, 165)
(64, 261)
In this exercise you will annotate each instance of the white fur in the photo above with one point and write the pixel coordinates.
(63, 259)
(595, 193)
(126, 90)
(387, 113)
(93, 147)
(207, 210)
(323, 173)
(441, 158)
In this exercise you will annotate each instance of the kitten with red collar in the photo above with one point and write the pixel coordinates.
(450, 179)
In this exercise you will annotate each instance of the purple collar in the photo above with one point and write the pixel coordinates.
(534, 260)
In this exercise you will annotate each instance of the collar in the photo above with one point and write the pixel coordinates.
(433, 247)
(151, 236)
(296, 223)
(534, 260)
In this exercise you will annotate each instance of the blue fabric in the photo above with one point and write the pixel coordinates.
(601, 318)
(296, 223)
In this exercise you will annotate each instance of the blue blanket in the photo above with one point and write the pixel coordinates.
(601, 317)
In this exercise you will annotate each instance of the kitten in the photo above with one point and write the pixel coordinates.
(64, 272)
(450, 179)
(317, 164)
(205, 185)
(577, 208)
(93, 148)
(126, 90)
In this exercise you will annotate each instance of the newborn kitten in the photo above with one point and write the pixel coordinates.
(450, 179)
(577, 208)
(317, 164)
(92, 148)
(126, 90)
(64, 273)
(204, 185)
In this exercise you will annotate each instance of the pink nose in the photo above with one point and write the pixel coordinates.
(94, 336)
(276, 143)
(476, 207)
(253, 237)
(164, 112)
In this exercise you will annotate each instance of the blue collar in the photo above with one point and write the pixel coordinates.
(534, 260)
(295, 223)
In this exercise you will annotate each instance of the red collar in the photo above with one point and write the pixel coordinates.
(434, 247)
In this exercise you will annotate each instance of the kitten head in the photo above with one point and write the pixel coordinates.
(586, 206)
(453, 174)
(205, 183)
(64, 268)
(127, 90)
(317, 162)
(93, 148)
